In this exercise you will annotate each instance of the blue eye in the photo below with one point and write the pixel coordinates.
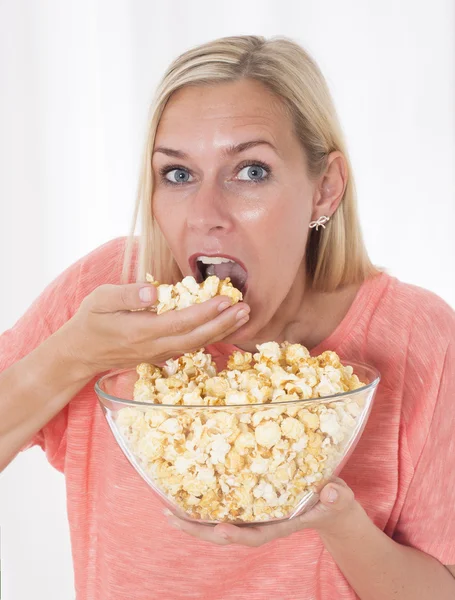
(177, 176)
(253, 172)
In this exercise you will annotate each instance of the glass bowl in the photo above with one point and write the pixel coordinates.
(244, 464)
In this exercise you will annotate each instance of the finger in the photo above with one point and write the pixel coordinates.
(340, 481)
(180, 322)
(214, 330)
(336, 495)
(201, 532)
(225, 334)
(257, 535)
(202, 335)
(114, 298)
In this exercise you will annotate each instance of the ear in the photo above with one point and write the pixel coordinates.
(330, 186)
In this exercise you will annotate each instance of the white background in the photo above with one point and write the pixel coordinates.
(76, 79)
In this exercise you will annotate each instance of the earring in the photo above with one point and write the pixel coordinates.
(319, 223)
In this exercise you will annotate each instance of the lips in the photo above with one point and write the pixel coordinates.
(223, 265)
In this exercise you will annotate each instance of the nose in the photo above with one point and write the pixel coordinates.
(208, 210)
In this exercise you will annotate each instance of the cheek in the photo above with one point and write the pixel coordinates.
(256, 214)
(292, 219)
(281, 220)
(168, 219)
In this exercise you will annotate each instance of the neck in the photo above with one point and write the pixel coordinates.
(305, 317)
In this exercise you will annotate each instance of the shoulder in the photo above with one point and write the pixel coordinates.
(428, 303)
(421, 319)
(62, 297)
(422, 334)
(433, 319)
(431, 338)
(103, 265)
(405, 325)
(409, 333)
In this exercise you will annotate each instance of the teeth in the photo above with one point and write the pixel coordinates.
(214, 260)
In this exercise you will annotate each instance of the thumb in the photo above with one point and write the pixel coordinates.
(114, 298)
(336, 496)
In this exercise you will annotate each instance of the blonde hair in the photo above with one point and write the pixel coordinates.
(335, 256)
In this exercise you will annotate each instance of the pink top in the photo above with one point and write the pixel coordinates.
(402, 471)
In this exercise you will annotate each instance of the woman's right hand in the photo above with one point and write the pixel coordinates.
(104, 334)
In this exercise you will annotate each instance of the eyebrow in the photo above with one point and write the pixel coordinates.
(228, 151)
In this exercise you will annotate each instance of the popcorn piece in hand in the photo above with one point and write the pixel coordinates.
(188, 292)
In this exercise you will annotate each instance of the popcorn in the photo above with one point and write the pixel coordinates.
(236, 397)
(218, 449)
(244, 441)
(309, 419)
(240, 361)
(259, 465)
(219, 387)
(268, 434)
(292, 428)
(269, 350)
(329, 424)
(188, 292)
(248, 449)
(296, 353)
(171, 425)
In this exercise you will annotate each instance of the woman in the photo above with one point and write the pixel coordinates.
(244, 160)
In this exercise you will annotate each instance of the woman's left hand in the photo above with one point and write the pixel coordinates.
(335, 514)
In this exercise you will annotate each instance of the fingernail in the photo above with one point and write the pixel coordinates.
(241, 314)
(145, 294)
(332, 495)
(242, 322)
(223, 306)
(167, 512)
(223, 535)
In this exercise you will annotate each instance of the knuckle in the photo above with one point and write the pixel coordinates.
(102, 290)
(86, 304)
(96, 298)
(124, 297)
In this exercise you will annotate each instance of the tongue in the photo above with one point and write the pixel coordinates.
(237, 275)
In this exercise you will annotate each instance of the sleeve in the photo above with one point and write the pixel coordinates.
(47, 314)
(54, 307)
(427, 519)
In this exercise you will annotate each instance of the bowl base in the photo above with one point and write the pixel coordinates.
(306, 503)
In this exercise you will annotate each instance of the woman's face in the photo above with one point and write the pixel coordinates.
(231, 181)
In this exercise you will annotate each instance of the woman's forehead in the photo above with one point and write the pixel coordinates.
(225, 113)
(234, 96)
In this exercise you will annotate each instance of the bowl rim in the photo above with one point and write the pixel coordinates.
(323, 399)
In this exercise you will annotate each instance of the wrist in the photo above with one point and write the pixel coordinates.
(65, 360)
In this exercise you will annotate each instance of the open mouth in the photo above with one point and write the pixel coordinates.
(222, 266)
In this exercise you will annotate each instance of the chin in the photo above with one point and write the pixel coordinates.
(243, 335)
